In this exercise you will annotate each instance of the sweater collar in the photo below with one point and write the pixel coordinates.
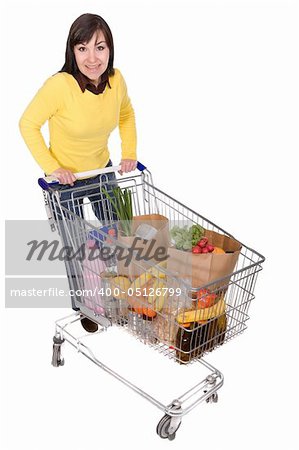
(85, 83)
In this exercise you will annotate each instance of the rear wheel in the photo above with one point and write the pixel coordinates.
(163, 428)
(56, 355)
(213, 398)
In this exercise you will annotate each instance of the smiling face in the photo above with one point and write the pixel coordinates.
(92, 57)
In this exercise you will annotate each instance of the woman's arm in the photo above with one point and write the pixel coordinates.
(43, 106)
(127, 131)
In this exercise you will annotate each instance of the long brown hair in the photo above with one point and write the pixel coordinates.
(81, 31)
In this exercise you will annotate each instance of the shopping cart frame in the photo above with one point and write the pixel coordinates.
(205, 390)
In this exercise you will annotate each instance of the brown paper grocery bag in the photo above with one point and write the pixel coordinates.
(153, 250)
(200, 269)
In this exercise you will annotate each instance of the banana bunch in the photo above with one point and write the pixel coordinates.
(156, 272)
(196, 315)
(142, 281)
(151, 288)
(158, 296)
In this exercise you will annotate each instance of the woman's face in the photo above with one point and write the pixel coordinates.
(92, 57)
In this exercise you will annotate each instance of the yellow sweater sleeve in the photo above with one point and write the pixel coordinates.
(127, 127)
(43, 106)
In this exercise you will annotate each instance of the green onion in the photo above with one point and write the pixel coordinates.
(122, 203)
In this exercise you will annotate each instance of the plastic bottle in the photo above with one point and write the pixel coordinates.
(92, 268)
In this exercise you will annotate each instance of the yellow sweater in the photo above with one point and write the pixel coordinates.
(79, 124)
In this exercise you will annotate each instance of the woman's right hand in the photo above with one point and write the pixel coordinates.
(64, 176)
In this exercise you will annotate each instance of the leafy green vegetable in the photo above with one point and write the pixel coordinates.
(197, 233)
(185, 238)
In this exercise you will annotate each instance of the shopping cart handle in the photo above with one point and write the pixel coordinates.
(50, 181)
(140, 167)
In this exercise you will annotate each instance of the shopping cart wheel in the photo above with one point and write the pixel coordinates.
(213, 398)
(56, 356)
(163, 428)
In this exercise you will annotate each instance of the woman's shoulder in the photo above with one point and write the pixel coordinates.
(118, 76)
(58, 81)
(117, 79)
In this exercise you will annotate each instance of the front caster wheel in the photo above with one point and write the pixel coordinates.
(56, 356)
(163, 428)
(213, 398)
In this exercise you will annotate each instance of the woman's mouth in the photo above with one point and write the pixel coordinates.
(93, 68)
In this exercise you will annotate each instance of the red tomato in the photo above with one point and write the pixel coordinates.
(196, 249)
(203, 242)
(202, 292)
(205, 299)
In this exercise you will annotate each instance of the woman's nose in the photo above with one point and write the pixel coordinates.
(92, 56)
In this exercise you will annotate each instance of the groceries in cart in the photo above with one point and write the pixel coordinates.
(152, 302)
(92, 266)
(158, 312)
(203, 327)
(202, 255)
(158, 295)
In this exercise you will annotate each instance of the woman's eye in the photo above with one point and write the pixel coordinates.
(100, 47)
(81, 49)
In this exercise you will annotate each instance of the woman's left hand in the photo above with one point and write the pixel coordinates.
(127, 165)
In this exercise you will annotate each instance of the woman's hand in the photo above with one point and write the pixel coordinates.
(64, 176)
(127, 165)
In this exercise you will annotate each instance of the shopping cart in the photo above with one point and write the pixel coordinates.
(146, 299)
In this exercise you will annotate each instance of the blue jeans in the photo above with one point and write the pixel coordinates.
(71, 198)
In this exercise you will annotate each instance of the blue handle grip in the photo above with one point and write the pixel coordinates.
(47, 182)
(140, 166)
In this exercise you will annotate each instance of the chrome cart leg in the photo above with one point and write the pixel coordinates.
(214, 397)
(56, 356)
(168, 425)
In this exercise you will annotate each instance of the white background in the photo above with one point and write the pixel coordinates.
(214, 85)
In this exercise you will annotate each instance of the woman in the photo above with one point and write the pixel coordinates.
(82, 103)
